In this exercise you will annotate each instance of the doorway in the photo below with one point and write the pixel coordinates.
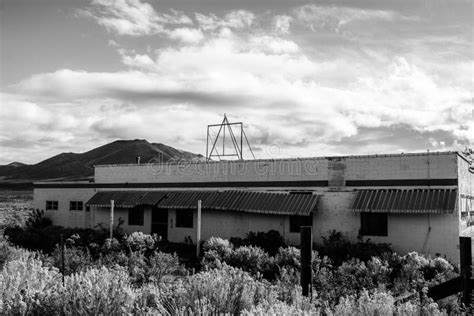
(159, 222)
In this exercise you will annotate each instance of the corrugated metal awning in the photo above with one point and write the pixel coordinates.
(244, 201)
(186, 199)
(152, 197)
(124, 199)
(234, 200)
(267, 203)
(437, 201)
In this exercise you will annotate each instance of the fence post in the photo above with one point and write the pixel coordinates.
(466, 262)
(112, 204)
(198, 229)
(306, 244)
(62, 258)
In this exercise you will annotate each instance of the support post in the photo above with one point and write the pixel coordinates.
(198, 229)
(466, 262)
(111, 219)
(306, 244)
(62, 258)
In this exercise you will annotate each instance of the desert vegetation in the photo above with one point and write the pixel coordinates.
(139, 274)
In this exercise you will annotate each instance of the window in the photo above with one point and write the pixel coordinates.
(75, 205)
(184, 218)
(136, 216)
(297, 221)
(51, 205)
(373, 224)
(88, 208)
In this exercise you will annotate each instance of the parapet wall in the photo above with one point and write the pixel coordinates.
(333, 171)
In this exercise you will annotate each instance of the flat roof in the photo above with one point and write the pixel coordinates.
(425, 153)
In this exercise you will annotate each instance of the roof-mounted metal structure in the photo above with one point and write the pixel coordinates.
(213, 144)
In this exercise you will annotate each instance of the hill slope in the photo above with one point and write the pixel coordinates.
(67, 166)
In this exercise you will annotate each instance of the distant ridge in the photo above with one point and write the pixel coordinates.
(73, 166)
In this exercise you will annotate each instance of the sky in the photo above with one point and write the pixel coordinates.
(307, 78)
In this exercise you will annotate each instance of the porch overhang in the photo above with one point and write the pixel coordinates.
(412, 201)
(233, 200)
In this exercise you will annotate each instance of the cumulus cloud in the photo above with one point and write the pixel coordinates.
(261, 85)
(291, 91)
(186, 35)
(282, 23)
(132, 17)
(239, 19)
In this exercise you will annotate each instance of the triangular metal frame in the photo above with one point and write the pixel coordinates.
(237, 142)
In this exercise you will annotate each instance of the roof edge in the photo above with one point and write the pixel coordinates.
(425, 153)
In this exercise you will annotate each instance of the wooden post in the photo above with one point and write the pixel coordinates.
(466, 262)
(62, 258)
(306, 244)
(111, 219)
(198, 229)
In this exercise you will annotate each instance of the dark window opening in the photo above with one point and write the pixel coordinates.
(184, 218)
(136, 216)
(88, 208)
(75, 205)
(297, 221)
(373, 224)
(51, 205)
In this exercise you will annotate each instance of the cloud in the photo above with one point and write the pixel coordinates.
(240, 19)
(132, 17)
(282, 23)
(319, 17)
(302, 92)
(186, 35)
(142, 61)
(278, 92)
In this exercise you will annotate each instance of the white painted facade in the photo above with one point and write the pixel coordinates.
(334, 179)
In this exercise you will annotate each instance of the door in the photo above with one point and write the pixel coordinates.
(159, 222)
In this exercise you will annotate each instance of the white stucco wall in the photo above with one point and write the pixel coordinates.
(102, 215)
(63, 216)
(424, 233)
(231, 224)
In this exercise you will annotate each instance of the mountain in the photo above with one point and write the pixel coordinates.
(73, 166)
(6, 169)
(16, 164)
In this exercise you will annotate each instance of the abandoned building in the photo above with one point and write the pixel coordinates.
(415, 201)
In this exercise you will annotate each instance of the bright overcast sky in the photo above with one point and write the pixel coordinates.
(308, 77)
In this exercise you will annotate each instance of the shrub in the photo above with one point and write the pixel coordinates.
(221, 246)
(45, 238)
(139, 241)
(253, 260)
(105, 291)
(228, 290)
(37, 219)
(161, 264)
(339, 249)
(381, 303)
(288, 257)
(75, 259)
(270, 241)
(414, 271)
(7, 251)
(283, 308)
(26, 286)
